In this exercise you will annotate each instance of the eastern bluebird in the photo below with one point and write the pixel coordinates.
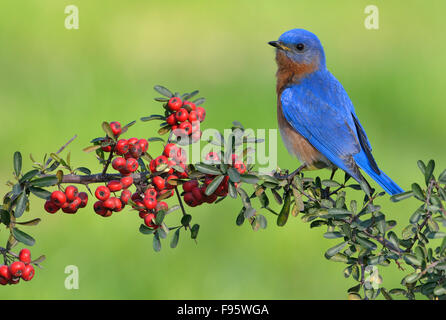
(317, 120)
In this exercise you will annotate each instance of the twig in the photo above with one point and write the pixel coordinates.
(60, 150)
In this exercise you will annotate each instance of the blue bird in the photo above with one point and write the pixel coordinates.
(317, 120)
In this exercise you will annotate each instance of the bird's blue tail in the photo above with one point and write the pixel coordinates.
(382, 179)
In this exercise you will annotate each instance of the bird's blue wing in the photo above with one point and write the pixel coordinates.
(327, 124)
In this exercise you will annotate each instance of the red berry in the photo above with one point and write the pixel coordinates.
(122, 146)
(50, 207)
(150, 192)
(4, 272)
(106, 148)
(126, 182)
(186, 126)
(144, 145)
(160, 160)
(189, 199)
(118, 163)
(170, 150)
(16, 268)
(171, 120)
(193, 116)
(150, 203)
(71, 193)
(116, 128)
(102, 193)
(143, 214)
(124, 172)
(172, 184)
(162, 206)
(73, 206)
(198, 196)
(25, 255)
(132, 141)
(174, 104)
(191, 105)
(182, 115)
(99, 208)
(114, 185)
(28, 273)
(58, 198)
(135, 151)
(212, 157)
(152, 165)
(84, 199)
(118, 204)
(125, 196)
(211, 198)
(159, 182)
(109, 204)
(201, 113)
(131, 165)
(240, 166)
(189, 185)
(136, 196)
(148, 221)
(3, 281)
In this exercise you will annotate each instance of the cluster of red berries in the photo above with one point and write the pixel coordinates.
(184, 117)
(148, 206)
(19, 269)
(69, 201)
(128, 152)
(194, 193)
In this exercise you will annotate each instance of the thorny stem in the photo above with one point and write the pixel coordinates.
(60, 150)
(181, 205)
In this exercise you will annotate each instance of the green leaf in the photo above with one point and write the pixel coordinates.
(330, 184)
(401, 196)
(333, 235)
(5, 217)
(442, 177)
(262, 221)
(186, 219)
(194, 231)
(234, 175)
(175, 238)
(422, 166)
(44, 182)
(339, 257)
(366, 243)
(21, 205)
(412, 259)
(333, 250)
(199, 101)
(241, 217)
(214, 185)
(160, 217)
(33, 222)
(339, 211)
(249, 212)
(440, 290)
(145, 230)
(436, 235)
(208, 169)
(410, 278)
(29, 175)
(428, 174)
(418, 193)
(17, 163)
(164, 91)
(285, 212)
(156, 242)
(107, 129)
(232, 190)
(23, 237)
(83, 170)
(153, 117)
(39, 192)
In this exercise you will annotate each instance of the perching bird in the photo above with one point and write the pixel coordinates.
(317, 120)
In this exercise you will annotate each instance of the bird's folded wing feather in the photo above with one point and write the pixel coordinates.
(326, 123)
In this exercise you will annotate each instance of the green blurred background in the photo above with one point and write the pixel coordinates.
(56, 82)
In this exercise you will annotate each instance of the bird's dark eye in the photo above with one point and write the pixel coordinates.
(300, 46)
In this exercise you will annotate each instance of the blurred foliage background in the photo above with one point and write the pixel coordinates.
(55, 83)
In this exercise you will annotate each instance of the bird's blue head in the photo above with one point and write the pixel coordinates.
(302, 47)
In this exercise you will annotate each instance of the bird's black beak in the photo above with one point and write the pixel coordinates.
(275, 44)
(278, 45)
